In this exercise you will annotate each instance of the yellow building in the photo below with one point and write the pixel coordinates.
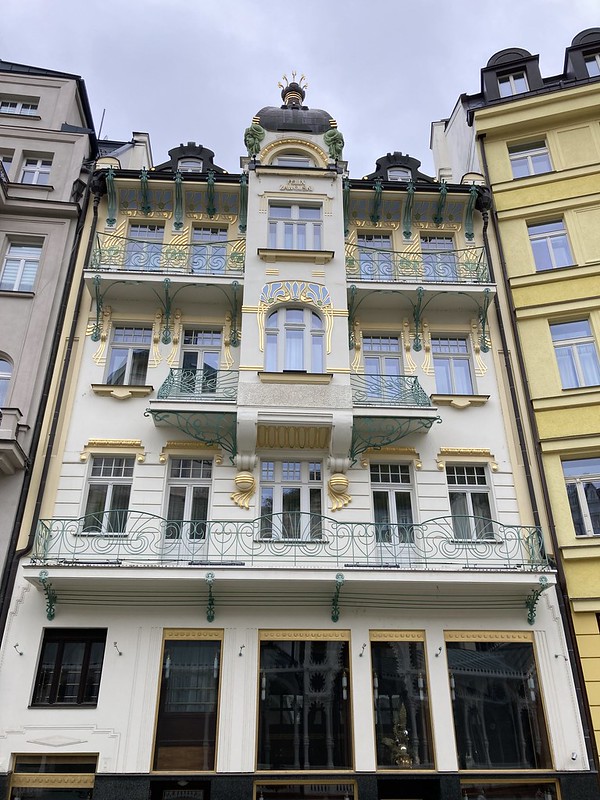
(536, 141)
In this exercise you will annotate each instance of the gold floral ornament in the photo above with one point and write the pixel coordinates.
(246, 485)
(338, 491)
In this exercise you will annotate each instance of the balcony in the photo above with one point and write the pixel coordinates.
(12, 455)
(200, 386)
(118, 254)
(388, 390)
(122, 538)
(387, 266)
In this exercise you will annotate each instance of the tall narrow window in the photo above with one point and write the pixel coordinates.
(498, 714)
(582, 477)
(304, 704)
(209, 251)
(20, 267)
(550, 245)
(576, 354)
(144, 247)
(189, 487)
(470, 502)
(186, 729)
(70, 667)
(392, 509)
(439, 258)
(129, 354)
(295, 227)
(295, 341)
(452, 365)
(36, 170)
(5, 376)
(109, 488)
(200, 358)
(291, 500)
(401, 700)
(382, 367)
(375, 256)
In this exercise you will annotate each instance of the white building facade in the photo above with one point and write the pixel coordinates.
(285, 547)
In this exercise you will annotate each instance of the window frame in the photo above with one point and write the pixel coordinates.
(509, 80)
(595, 59)
(440, 359)
(208, 249)
(61, 637)
(390, 480)
(284, 233)
(301, 524)
(25, 263)
(147, 248)
(20, 104)
(466, 526)
(395, 173)
(131, 347)
(39, 167)
(573, 344)
(189, 527)
(297, 161)
(579, 496)
(547, 261)
(282, 341)
(190, 164)
(6, 374)
(111, 520)
(528, 152)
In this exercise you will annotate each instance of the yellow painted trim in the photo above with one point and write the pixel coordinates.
(295, 377)
(194, 634)
(488, 636)
(276, 634)
(109, 446)
(397, 636)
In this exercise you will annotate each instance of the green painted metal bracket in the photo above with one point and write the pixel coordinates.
(335, 603)
(408, 207)
(97, 332)
(210, 428)
(146, 206)
(111, 196)
(51, 597)
(351, 317)
(178, 211)
(417, 316)
(166, 335)
(376, 210)
(532, 599)
(211, 209)
(438, 217)
(483, 311)
(235, 334)
(346, 204)
(473, 195)
(243, 221)
(385, 431)
(210, 606)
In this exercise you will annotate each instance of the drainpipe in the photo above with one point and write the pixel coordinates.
(10, 570)
(561, 586)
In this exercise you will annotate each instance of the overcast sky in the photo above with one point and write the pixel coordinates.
(198, 70)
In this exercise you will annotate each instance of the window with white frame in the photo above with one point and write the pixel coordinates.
(582, 478)
(295, 341)
(382, 366)
(144, 246)
(36, 170)
(20, 267)
(470, 502)
(452, 365)
(13, 105)
(187, 497)
(128, 358)
(374, 256)
(109, 488)
(592, 64)
(295, 226)
(6, 158)
(515, 83)
(576, 353)
(189, 165)
(439, 257)
(391, 489)
(550, 245)
(209, 251)
(402, 174)
(532, 158)
(293, 160)
(291, 500)
(200, 356)
(6, 369)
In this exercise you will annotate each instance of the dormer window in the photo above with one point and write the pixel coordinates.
(592, 64)
(515, 83)
(402, 174)
(189, 165)
(298, 161)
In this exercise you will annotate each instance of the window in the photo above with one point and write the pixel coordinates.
(36, 171)
(582, 477)
(70, 667)
(382, 366)
(529, 159)
(392, 507)
(592, 64)
(186, 728)
(200, 361)
(20, 267)
(294, 161)
(5, 375)
(526, 790)
(550, 245)
(209, 251)
(295, 341)
(129, 353)
(399, 174)
(470, 502)
(52, 777)
(375, 257)
(304, 704)
(439, 258)
(452, 365)
(294, 227)
(6, 159)
(576, 354)
(332, 790)
(109, 488)
(512, 84)
(14, 106)
(291, 500)
(498, 714)
(189, 486)
(401, 700)
(189, 165)
(144, 247)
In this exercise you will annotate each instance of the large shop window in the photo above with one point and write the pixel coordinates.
(53, 777)
(505, 790)
(70, 667)
(498, 715)
(186, 730)
(304, 703)
(401, 701)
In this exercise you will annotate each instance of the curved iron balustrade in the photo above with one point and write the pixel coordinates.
(199, 258)
(365, 263)
(388, 390)
(204, 385)
(288, 539)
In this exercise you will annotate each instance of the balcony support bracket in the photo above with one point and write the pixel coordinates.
(210, 428)
(408, 207)
(335, 603)
(178, 212)
(210, 606)
(378, 193)
(533, 597)
(49, 592)
(473, 195)
(438, 217)
(373, 433)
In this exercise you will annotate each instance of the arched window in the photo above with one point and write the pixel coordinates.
(5, 375)
(399, 174)
(295, 341)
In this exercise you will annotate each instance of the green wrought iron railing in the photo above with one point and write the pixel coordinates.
(200, 385)
(388, 390)
(289, 539)
(113, 252)
(387, 266)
